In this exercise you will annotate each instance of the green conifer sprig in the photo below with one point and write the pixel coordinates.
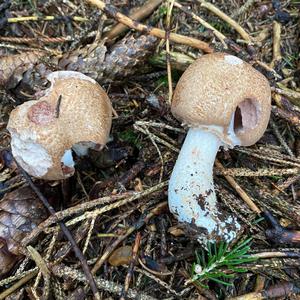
(219, 262)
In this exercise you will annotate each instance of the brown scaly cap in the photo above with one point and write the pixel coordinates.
(215, 87)
(74, 109)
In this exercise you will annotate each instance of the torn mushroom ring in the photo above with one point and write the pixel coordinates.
(225, 102)
(74, 113)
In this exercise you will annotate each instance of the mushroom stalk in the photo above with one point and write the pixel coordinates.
(193, 200)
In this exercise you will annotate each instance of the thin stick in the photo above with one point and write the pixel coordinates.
(244, 8)
(46, 18)
(66, 232)
(132, 264)
(79, 208)
(276, 43)
(260, 172)
(22, 281)
(45, 40)
(238, 189)
(272, 254)
(268, 68)
(217, 33)
(280, 290)
(226, 18)
(141, 13)
(181, 39)
(63, 271)
(130, 230)
(169, 70)
(159, 153)
(281, 139)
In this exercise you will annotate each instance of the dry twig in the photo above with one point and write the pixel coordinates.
(276, 43)
(23, 280)
(132, 264)
(113, 12)
(226, 18)
(239, 190)
(66, 232)
(217, 33)
(130, 230)
(138, 15)
(63, 271)
(170, 4)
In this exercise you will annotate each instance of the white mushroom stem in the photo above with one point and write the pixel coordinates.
(191, 190)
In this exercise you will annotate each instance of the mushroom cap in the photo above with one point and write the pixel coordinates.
(225, 95)
(74, 110)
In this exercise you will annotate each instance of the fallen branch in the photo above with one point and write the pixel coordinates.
(181, 39)
(131, 265)
(46, 18)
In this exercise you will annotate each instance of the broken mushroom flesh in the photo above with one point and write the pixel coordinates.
(73, 113)
(225, 102)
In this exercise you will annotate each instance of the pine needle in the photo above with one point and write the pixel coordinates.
(219, 263)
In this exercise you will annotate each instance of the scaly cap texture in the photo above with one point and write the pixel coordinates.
(73, 110)
(217, 87)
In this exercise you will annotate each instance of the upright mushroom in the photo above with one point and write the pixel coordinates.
(73, 113)
(224, 102)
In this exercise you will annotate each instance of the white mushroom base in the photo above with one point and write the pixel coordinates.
(191, 191)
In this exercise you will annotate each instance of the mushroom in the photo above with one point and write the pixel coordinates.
(224, 102)
(73, 113)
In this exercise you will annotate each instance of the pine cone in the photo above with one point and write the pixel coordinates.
(27, 71)
(20, 212)
(126, 55)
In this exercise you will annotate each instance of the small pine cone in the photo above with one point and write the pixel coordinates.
(20, 212)
(105, 66)
(15, 65)
(125, 56)
(88, 60)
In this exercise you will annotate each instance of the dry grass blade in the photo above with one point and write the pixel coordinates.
(226, 18)
(217, 33)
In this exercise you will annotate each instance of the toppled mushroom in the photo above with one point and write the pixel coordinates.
(225, 102)
(74, 113)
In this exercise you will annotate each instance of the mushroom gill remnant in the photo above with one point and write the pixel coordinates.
(246, 115)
